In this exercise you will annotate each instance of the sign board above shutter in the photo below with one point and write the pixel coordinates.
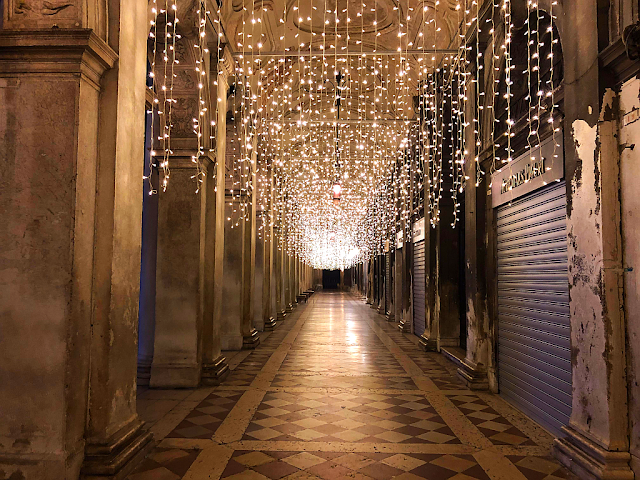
(530, 171)
(418, 230)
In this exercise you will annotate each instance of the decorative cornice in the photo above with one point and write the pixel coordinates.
(56, 51)
(615, 59)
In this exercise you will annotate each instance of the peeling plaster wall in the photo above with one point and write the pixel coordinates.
(629, 174)
(594, 250)
(585, 265)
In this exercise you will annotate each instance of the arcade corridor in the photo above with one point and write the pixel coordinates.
(337, 392)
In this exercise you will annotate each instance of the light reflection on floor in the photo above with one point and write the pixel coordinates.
(337, 392)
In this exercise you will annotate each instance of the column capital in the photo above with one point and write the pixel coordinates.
(56, 51)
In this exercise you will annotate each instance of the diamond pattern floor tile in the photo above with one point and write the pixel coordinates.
(165, 464)
(333, 465)
(349, 418)
(490, 423)
(336, 386)
(204, 420)
(541, 468)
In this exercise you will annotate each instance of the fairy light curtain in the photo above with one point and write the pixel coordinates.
(389, 101)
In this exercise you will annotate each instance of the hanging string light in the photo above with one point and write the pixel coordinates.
(162, 103)
(508, 32)
(372, 155)
(198, 122)
(479, 95)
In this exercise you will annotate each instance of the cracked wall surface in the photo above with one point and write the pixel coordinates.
(630, 200)
(594, 253)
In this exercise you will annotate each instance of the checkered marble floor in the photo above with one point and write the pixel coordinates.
(346, 417)
(338, 465)
(337, 392)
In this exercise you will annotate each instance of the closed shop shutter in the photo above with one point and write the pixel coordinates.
(534, 359)
(418, 288)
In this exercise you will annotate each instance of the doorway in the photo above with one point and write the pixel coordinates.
(330, 279)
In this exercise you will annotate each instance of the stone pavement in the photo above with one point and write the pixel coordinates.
(336, 392)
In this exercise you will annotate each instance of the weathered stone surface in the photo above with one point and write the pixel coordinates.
(177, 357)
(630, 202)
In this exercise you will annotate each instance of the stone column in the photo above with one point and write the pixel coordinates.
(597, 439)
(114, 436)
(268, 317)
(149, 248)
(370, 268)
(250, 336)
(278, 278)
(391, 311)
(477, 369)
(380, 283)
(375, 275)
(294, 275)
(185, 281)
(404, 321)
(259, 273)
(398, 287)
(231, 319)
(214, 365)
(447, 297)
(287, 280)
(298, 275)
(48, 211)
(292, 281)
(370, 277)
(71, 136)
(177, 360)
(429, 339)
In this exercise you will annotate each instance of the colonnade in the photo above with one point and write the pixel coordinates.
(96, 262)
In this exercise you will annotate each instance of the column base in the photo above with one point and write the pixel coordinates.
(474, 376)
(404, 326)
(116, 457)
(455, 355)
(214, 373)
(428, 344)
(281, 316)
(269, 324)
(289, 308)
(589, 460)
(391, 317)
(381, 310)
(144, 374)
(175, 375)
(251, 341)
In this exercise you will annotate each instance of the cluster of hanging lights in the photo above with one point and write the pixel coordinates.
(327, 129)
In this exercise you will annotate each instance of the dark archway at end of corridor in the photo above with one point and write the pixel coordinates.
(330, 279)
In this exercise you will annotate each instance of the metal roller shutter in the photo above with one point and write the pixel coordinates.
(534, 358)
(418, 288)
